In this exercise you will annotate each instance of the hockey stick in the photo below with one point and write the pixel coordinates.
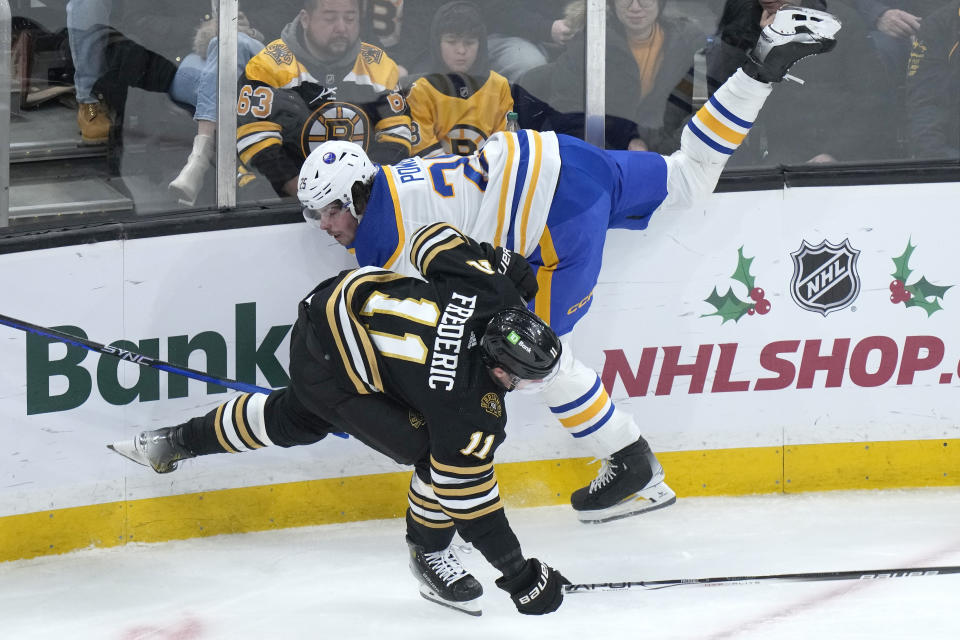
(877, 574)
(129, 356)
(136, 358)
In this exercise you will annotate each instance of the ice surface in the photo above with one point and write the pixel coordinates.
(351, 581)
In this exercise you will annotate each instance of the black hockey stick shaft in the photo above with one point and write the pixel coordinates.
(129, 356)
(875, 574)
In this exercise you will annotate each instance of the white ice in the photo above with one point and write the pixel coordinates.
(351, 581)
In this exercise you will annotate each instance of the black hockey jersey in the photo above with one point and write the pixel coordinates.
(288, 104)
(418, 342)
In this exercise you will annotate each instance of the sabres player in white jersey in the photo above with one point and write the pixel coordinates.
(552, 198)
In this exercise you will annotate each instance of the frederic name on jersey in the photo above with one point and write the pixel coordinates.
(446, 346)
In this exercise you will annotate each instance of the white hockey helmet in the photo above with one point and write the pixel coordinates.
(329, 173)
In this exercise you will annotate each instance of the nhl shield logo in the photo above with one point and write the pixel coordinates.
(825, 276)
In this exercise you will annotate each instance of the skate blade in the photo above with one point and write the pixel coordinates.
(128, 451)
(652, 498)
(469, 607)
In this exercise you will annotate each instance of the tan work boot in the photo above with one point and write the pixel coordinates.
(93, 121)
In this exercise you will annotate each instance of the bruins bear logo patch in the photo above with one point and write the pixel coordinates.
(416, 419)
(491, 404)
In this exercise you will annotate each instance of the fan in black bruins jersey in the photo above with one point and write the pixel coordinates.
(418, 371)
(319, 82)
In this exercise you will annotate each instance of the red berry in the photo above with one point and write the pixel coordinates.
(763, 307)
(895, 298)
(895, 286)
(756, 294)
(906, 295)
(750, 311)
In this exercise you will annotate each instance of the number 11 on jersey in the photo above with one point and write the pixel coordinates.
(475, 439)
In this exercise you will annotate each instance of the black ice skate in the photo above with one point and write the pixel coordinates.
(629, 482)
(158, 449)
(795, 33)
(444, 580)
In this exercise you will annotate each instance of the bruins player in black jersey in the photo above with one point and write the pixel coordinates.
(418, 371)
(319, 82)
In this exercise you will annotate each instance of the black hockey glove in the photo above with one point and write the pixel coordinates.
(536, 589)
(515, 267)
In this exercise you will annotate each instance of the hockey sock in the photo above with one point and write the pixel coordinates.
(718, 128)
(236, 425)
(577, 399)
(427, 524)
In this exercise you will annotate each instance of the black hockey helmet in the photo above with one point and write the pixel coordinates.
(520, 343)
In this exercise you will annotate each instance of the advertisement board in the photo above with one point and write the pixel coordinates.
(804, 316)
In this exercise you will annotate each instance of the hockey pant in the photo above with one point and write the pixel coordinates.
(313, 406)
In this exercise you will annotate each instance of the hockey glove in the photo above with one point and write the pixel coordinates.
(536, 589)
(515, 267)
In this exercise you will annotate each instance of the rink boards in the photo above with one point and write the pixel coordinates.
(842, 383)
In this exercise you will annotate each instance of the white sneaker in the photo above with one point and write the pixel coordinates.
(187, 185)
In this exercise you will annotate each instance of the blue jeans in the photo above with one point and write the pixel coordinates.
(88, 25)
(196, 80)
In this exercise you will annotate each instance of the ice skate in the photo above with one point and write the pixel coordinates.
(444, 580)
(630, 482)
(157, 449)
(795, 33)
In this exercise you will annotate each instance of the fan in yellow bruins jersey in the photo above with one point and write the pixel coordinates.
(459, 102)
(319, 82)
(417, 370)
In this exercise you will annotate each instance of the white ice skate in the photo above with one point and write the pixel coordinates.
(156, 449)
(794, 34)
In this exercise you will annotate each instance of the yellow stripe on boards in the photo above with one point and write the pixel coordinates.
(714, 472)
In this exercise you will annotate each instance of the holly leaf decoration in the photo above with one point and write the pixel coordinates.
(930, 307)
(742, 274)
(902, 270)
(728, 306)
(924, 289)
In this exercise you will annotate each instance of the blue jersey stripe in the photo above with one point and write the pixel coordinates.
(708, 140)
(572, 405)
(523, 157)
(729, 116)
(599, 424)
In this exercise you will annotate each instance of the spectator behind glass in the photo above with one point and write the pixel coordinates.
(893, 26)
(400, 27)
(647, 55)
(195, 84)
(318, 82)
(526, 34)
(461, 102)
(843, 112)
(116, 44)
(933, 86)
